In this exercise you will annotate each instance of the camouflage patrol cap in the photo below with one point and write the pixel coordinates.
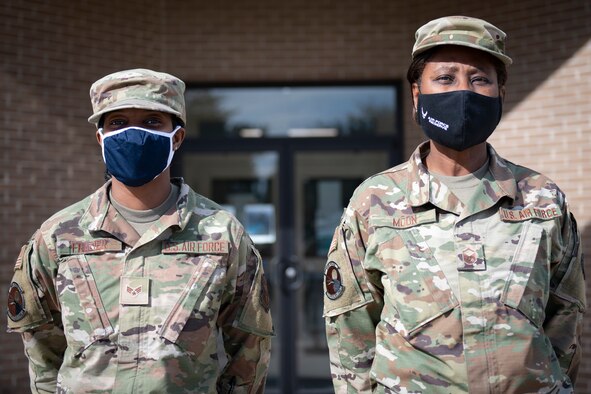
(138, 88)
(462, 30)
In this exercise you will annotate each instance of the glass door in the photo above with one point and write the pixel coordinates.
(285, 159)
(290, 198)
(324, 182)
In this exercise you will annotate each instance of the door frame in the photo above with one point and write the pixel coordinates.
(288, 267)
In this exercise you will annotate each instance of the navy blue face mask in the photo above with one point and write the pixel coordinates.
(135, 156)
(459, 119)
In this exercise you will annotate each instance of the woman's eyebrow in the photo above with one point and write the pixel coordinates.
(445, 68)
(454, 68)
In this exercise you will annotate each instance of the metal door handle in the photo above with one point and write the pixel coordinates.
(292, 275)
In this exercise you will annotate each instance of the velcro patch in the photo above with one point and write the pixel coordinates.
(134, 290)
(98, 245)
(518, 215)
(333, 281)
(16, 303)
(470, 257)
(196, 247)
(19, 261)
(405, 221)
(25, 309)
(342, 284)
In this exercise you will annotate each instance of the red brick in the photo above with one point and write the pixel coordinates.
(52, 51)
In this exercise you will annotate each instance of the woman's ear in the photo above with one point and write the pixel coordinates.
(415, 91)
(178, 138)
(99, 138)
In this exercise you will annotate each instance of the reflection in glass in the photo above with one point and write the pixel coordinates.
(259, 221)
(300, 111)
(324, 202)
(243, 183)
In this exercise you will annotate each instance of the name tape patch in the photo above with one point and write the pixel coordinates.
(406, 221)
(90, 246)
(518, 215)
(196, 247)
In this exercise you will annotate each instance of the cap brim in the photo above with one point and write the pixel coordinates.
(504, 58)
(135, 103)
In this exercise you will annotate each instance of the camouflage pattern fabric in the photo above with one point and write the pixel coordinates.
(395, 326)
(464, 31)
(106, 310)
(138, 88)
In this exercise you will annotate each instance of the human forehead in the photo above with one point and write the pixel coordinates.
(135, 113)
(456, 57)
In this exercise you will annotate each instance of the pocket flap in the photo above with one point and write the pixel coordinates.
(183, 309)
(521, 290)
(91, 303)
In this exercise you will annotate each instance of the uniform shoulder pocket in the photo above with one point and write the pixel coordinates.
(256, 315)
(345, 284)
(526, 287)
(569, 280)
(26, 309)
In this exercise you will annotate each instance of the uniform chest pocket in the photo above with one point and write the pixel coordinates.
(528, 283)
(83, 313)
(418, 288)
(191, 322)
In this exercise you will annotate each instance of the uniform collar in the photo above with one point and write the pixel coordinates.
(425, 188)
(102, 216)
(504, 178)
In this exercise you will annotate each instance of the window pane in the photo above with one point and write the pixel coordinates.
(324, 200)
(297, 111)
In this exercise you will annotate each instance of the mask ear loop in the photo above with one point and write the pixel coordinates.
(417, 119)
(171, 153)
(100, 131)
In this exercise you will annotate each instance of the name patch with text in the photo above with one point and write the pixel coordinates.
(88, 247)
(518, 215)
(196, 247)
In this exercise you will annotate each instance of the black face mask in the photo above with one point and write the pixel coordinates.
(459, 119)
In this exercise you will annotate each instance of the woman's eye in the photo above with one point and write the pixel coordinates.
(116, 122)
(153, 122)
(444, 78)
(480, 80)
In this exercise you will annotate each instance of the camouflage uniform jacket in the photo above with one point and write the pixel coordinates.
(395, 326)
(194, 274)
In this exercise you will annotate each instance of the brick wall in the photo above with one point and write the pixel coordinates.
(50, 53)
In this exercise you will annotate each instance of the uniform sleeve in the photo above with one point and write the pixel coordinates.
(247, 328)
(566, 304)
(352, 310)
(34, 312)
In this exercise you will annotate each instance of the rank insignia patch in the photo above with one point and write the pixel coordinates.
(16, 302)
(134, 292)
(333, 282)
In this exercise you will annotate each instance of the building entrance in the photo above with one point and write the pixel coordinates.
(290, 195)
(285, 160)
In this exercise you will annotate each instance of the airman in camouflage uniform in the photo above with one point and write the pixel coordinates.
(104, 307)
(432, 290)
